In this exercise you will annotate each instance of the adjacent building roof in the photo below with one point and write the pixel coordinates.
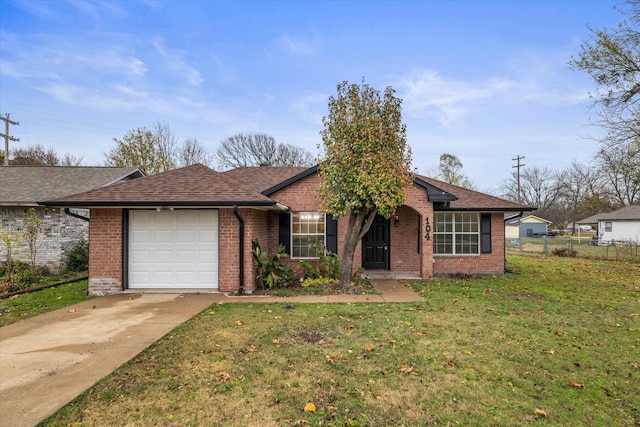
(628, 213)
(26, 185)
(528, 218)
(195, 185)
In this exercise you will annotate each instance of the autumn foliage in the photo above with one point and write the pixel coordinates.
(366, 165)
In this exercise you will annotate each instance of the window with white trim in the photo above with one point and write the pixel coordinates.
(608, 226)
(307, 234)
(456, 233)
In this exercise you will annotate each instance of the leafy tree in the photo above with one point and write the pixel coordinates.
(155, 150)
(612, 58)
(449, 170)
(366, 164)
(11, 242)
(256, 149)
(38, 155)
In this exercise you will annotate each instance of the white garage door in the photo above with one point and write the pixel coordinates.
(173, 249)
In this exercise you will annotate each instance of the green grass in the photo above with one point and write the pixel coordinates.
(28, 305)
(556, 344)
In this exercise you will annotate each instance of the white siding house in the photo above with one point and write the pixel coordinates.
(620, 225)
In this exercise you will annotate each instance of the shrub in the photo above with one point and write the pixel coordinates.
(79, 257)
(271, 271)
(564, 252)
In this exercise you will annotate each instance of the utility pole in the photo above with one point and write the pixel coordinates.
(518, 166)
(7, 137)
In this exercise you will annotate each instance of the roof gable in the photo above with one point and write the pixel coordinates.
(26, 185)
(195, 185)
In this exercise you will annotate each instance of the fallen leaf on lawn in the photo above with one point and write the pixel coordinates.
(392, 342)
(370, 348)
(406, 369)
(422, 333)
(196, 318)
(329, 359)
(549, 351)
(540, 412)
(310, 407)
(276, 341)
(277, 317)
(59, 298)
(634, 315)
(240, 323)
(449, 364)
(576, 385)
(469, 352)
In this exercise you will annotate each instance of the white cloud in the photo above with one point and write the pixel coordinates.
(175, 63)
(297, 45)
(428, 94)
(312, 106)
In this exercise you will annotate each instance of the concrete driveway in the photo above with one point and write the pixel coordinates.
(48, 360)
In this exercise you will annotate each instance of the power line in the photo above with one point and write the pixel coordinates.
(518, 166)
(7, 137)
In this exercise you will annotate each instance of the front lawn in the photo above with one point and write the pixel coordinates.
(557, 343)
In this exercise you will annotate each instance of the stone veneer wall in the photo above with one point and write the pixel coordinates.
(60, 233)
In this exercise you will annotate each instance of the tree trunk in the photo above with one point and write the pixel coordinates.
(359, 224)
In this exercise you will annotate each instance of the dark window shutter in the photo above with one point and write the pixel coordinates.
(285, 232)
(485, 233)
(331, 230)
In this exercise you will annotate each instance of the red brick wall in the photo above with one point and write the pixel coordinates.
(492, 263)
(255, 227)
(303, 196)
(105, 251)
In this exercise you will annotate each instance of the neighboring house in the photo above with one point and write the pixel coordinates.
(193, 228)
(21, 187)
(620, 225)
(529, 226)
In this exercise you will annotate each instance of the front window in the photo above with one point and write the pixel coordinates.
(608, 226)
(307, 234)
(456, 233)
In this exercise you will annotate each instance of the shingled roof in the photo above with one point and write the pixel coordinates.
(467, 199)
(26, 185)
(628, 213)
(195, 185)
(262, 178)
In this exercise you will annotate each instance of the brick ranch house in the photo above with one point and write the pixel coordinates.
(21, 187)
(192, 228)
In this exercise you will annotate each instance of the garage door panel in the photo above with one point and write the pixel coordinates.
(173, 249)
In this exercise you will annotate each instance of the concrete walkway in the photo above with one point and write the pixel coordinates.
(48, 360)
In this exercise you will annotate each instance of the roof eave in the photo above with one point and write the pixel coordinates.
(485, 209)
(158, 203)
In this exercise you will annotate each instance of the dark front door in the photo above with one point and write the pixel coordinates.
(375, 245)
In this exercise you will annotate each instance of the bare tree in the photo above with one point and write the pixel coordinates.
(619, 166)
(242, 150)
(538, 187)
(192, 152)
(612, 58)
(38, 155)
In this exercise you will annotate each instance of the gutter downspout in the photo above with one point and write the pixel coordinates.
(505, 252)
(240, 249)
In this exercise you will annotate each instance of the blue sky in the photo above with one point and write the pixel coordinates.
(483, 80)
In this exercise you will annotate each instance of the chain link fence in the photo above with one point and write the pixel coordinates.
(586, 247)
